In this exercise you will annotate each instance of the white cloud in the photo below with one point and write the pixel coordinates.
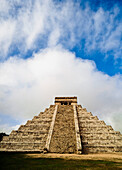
(114, 40)
(7, 29)
(24, 24)
(6, 128)
(33, 22)
(54, 38)
(29, 86)
(4, 7)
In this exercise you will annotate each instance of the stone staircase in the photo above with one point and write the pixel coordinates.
(63, 129)
(64, 136)
(30, 137)
(96, 136)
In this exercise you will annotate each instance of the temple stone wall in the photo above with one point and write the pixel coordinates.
(66, 100)
(31, 136)
(96, 136)
(64, 128)
(64, 136)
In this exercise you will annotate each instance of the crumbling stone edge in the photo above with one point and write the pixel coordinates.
(78, 139)
(47, 145)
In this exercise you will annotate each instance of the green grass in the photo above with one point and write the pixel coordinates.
(18, 161)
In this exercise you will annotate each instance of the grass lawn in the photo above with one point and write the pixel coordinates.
(18, 161)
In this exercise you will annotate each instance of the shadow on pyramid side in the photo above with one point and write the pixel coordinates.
(63, 128)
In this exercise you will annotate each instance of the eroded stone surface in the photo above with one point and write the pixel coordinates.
(96, 136)
(60, 134)
(31, 136)
(64, 136)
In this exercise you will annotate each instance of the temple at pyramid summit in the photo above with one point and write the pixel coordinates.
(64, 127)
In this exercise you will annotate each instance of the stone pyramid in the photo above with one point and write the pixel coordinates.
(63, 128)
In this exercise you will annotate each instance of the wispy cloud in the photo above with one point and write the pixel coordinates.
(23, 25)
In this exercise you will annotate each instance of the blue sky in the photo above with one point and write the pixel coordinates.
(103, 19)
(52, 47)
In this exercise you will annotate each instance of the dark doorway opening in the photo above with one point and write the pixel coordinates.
(65, 103)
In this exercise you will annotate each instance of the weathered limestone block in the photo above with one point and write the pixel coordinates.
(28, 122)
(5, 138)
(31, 136)
(64, 130)
(46, 110)
(91, 122)
(82, 114)
(62, 141)
(96, 136)
(41, 113)
(22, 127)
(94, 118)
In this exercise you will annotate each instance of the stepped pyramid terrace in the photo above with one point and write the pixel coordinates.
(64, 127)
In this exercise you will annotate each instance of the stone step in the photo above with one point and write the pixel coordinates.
(88, 117)
(5, 138)
(20, 134)
(64, 138)
(103, 149)
(30, 150)
(41, 137)
(94, 122)
(29, 132)
(79, 106)
(79, 109)
(82, 114)
(21, 147)
(41, 113)
(28, 122)
(102, 142)
(31, 136)
(47, 123)
(98, 133)
(102, 137)
(95, 128)
(46, 110)
(41, 121)
(24, 144)
(21, 140)
(34, 127)
(44, 115)
(94, 118)
(13, 133)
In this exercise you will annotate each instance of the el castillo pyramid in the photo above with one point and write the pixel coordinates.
(65, 127)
